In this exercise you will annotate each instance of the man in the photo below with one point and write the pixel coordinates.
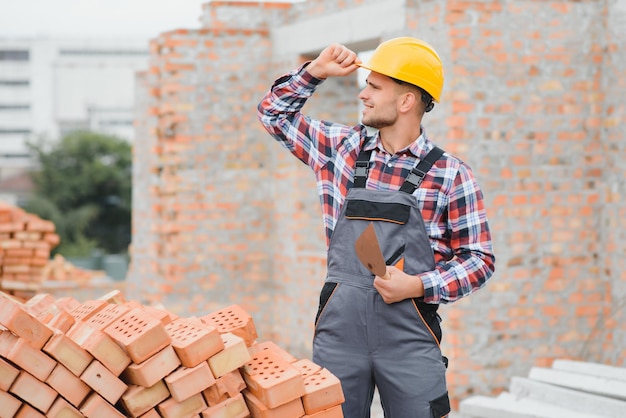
(430, 221)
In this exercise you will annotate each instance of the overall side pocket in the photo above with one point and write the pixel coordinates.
(327, 291)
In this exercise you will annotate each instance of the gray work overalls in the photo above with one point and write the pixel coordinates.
(364, 341)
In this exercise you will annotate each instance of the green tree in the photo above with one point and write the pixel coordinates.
(83, 185)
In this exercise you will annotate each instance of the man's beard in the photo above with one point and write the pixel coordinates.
(379, 121)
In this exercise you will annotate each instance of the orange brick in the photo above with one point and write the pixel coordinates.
(68, 385)
(187, 381)
(19, 321)
(38, 303)
(234, 407)
(234, 355)
(87, 309)
(101, 347)
(259, 410)
(96, 407)
(334, 412)
(273, 380)
(270, 345)
(8, 374)
(106, 316)
(194, 342)
(10, 405)
(151, 414)
(114, 296)
(67, 352)
(170, 408)
(105, 383)
(138, 400)
(7, 339)
(306, 367)
(322, 391)
(233, 319)
(63, 409)
(231, 383)
(162, 315)
(62, 321)
(141, 335)
(67, 303)
(31, 390)
(27, 411)
(31, 359)
(152, 370)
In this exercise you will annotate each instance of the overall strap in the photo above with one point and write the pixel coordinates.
(362, 168)
(416, 176)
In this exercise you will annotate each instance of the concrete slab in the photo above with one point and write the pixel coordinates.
(593, 369)
(567, 398)
(586, 383)
(511, 406)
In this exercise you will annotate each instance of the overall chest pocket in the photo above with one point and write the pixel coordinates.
(366, 210)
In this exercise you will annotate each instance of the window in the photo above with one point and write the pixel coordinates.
(9, 107)
(15, 83)
(14, 55)
(14, 131)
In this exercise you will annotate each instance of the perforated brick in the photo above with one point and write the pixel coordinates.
(273, 380)
(87, 309)
(106, 316)
(334, 412)
(322, 391)
(152, 370)
(138, 400)
(194, 342)
(141, 335)
(259, 410)
(306, 367)
(187, 381)
(234, 355)
(233, 319)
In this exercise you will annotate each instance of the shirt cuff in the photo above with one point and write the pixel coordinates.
(432, 288)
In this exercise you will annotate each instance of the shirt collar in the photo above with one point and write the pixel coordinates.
(418, 148)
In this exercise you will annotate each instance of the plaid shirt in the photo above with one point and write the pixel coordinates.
(449, 198)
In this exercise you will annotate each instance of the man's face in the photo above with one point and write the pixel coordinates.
(380, 98)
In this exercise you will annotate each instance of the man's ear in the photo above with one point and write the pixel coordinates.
(408, 101)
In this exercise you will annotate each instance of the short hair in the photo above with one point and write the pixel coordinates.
(427, 99)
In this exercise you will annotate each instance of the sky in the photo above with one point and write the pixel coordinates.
(97, 18)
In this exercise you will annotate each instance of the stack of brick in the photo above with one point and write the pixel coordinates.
(25, 244)
(110, 357)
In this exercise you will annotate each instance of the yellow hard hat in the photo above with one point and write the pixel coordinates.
(410, 60)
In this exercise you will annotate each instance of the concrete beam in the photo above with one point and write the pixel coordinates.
(585, 383)
(593, 369)
(567, 398)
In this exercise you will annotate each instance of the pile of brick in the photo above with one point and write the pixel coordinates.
(110, 357)
(25, 244)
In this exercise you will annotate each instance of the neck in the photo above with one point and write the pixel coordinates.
(395, 137)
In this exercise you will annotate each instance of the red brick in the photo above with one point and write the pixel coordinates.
(273, 380)
(334, 412)
(87, 309)
(31, 390)
(234, 407)
(233, 319)
(63, 409)
(8, 374)
(234, 355)
(152, 370)
(138, 400)
(194, 342)
(187, 381)
(101, 347)
(141, 335)
(7, 339)
(68, 385)
(106, 316)
(27, 411)
(96, 407)
(170, 408)
(259, 410)
(322, 391)
(67, 352)
(270, 345)
(31, 359)
(19, 321)
(10, 405)
(105, 383)
(306, 367)
(62, 321)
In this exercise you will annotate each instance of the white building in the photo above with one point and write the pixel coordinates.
(49, 87)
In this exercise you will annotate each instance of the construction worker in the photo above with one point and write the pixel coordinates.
(429, 218)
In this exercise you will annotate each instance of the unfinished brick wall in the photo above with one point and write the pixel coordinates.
(533, 102)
